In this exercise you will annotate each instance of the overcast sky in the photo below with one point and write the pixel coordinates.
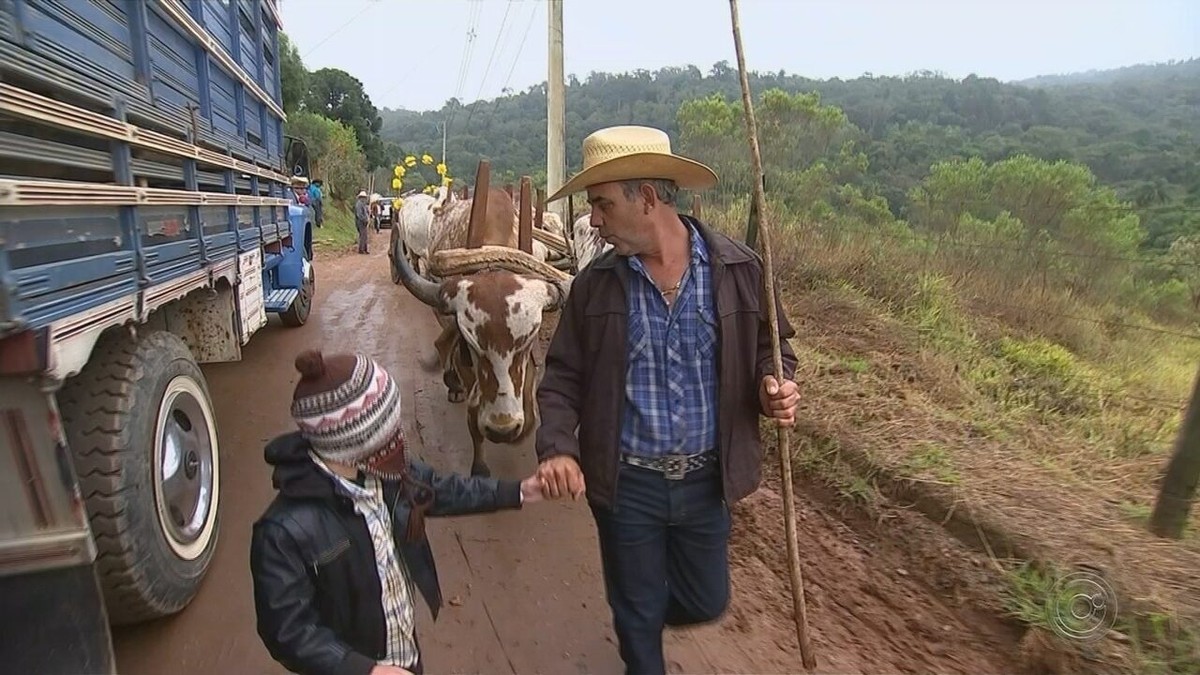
(410, 53)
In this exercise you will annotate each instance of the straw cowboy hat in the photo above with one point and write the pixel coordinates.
(632, 152)
(362, 193)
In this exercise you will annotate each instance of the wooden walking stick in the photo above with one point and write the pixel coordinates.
(785, 455)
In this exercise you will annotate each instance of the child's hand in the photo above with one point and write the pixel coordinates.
(531, 489)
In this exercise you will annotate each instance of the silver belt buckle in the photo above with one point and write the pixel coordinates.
(675, 467)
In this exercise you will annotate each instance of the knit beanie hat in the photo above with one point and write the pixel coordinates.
(348, 408)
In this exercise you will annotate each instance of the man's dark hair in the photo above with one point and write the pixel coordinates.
(665, 189)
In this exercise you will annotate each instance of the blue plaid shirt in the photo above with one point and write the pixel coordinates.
(671, 381)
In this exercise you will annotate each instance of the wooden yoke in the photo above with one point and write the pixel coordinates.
(483, 177)
(525, 220)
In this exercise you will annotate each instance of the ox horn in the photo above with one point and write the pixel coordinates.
(423, 289)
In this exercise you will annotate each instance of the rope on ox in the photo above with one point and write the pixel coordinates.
(785, 455)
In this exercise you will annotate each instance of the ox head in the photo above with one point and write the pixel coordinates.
(497, 314)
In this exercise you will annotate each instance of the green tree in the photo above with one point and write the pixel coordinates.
(292, 74)
(337, 95)
(337, 157)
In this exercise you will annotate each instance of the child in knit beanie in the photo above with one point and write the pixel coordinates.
(338, 557)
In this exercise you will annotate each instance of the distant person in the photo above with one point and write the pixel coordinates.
(317, 199)
(338, 556)
(300, 190)
(362, 216)
(670, 441)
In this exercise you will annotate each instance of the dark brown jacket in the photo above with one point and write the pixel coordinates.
(584, 381)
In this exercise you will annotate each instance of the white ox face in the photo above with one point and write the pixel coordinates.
(499, 315)
(586, 241)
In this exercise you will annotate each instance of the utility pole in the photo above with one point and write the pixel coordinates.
(556, 113)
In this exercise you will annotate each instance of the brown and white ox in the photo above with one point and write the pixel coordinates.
(490, 320)
(586, 241)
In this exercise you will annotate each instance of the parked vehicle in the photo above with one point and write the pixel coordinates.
(146, 226)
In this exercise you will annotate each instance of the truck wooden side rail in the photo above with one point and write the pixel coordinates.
(147, 225)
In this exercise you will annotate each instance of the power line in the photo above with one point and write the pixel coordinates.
(520, 48)
(468, 51)
(340, 28)
(512, 68)
(495, 47)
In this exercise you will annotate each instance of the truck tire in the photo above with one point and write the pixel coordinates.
(297, 315)
(140, 425)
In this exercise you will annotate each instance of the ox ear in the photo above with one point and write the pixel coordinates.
(558, 292)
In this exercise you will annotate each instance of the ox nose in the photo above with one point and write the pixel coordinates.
(502, 428)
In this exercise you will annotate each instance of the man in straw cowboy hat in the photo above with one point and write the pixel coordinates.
(662, 359)
(362, 216)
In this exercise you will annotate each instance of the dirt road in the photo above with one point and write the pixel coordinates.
(523, 589)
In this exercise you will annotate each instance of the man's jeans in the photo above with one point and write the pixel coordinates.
(664, 547)
(362, 237)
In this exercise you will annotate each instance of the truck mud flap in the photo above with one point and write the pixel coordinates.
(54, 622)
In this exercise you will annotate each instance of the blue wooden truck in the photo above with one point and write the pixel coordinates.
(147, 225)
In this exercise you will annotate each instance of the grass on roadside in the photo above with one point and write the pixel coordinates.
(337, 234)
(1049, 418)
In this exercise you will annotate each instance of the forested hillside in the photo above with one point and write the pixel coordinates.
(1137, 129)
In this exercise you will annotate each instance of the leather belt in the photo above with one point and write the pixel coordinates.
(673, 467)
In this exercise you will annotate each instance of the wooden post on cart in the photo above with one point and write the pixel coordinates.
(525, 222)
(483, 177)
(785, 455)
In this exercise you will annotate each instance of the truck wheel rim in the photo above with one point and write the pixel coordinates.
(186, 465)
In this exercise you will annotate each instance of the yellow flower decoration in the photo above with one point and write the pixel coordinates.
(441, 169)
(446, 181)
(397, 183)
(410, 161)
(399, 171)
(426, 159)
